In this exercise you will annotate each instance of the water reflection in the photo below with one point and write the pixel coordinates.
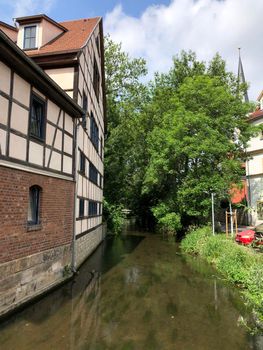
(135, 293)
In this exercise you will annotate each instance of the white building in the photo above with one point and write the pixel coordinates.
(254, 168)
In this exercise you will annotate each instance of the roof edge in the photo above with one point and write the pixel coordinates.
(260, 95)
(10, 48)
(34, 18)
(61, 52)
(9, 26)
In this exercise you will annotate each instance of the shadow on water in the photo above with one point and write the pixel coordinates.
(135, 292)
(110, 253)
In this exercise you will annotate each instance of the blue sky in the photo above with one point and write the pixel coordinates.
(159, 29)
(79, 8)
(71, 9)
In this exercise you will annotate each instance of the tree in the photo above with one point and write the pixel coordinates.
(125, 95)
(193, 148)
(173, 141)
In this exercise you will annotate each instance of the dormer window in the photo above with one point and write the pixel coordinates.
(30, 34)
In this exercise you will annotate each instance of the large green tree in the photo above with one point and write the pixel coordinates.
(197, 144)
(175, 140)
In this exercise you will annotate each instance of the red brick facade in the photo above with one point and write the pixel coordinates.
(56, 208)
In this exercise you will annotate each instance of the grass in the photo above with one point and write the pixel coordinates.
(240, 265)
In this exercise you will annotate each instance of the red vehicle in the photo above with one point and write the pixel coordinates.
(245, 237)
(251, 236)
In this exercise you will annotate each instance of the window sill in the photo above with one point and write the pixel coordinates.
(37, 139)
(81, 218)
(87, 217)
(34, 227)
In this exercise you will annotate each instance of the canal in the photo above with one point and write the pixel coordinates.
(136, 292)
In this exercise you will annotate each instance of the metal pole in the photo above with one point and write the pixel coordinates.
(231, 219)
(213, 213)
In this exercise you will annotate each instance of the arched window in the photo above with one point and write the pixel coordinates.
(34, 205)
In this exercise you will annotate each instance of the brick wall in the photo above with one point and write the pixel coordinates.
(56, 208)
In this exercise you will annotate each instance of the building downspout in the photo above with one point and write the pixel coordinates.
(73, 262)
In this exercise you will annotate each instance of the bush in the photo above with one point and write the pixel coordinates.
(239, 264)
(113, 215)
(171, 222)
(168, 222)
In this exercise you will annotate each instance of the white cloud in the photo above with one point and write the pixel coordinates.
(23, 7)
(205, 26)
(18, 8)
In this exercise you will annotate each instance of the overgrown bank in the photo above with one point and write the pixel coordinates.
(240, 265)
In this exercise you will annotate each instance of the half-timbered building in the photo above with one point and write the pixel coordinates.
(52, 110)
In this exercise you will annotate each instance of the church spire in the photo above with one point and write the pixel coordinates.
(241, 76)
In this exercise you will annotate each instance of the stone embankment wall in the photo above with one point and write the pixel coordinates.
(86, 244)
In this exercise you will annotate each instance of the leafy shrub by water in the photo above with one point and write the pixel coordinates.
(240, 265)
(168, 222)
(113, 215)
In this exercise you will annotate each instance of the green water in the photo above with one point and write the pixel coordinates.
(143, 295)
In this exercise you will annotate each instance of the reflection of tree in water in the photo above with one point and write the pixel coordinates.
(85, 321)
(150, 299)
(132, 275)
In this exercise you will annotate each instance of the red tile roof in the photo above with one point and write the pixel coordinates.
(70, 41)
(8, 26)
(256, 115)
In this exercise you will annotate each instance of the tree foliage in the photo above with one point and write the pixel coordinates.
(174, 141)
(125, 97)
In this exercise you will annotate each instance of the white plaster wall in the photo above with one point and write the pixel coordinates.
(255, 165)
(35, 153)
(2, 142)
(53, 113)
(64, 77)
(21, 90)
(68, 144)
(47, 32)
(5, 74)
(17, 147)
(55, 162)
(69, 124)
(67, 165)
(256, 143)
(50, 132)
(4, 103)
(256, 194)
(19, 118)
(58, 140)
